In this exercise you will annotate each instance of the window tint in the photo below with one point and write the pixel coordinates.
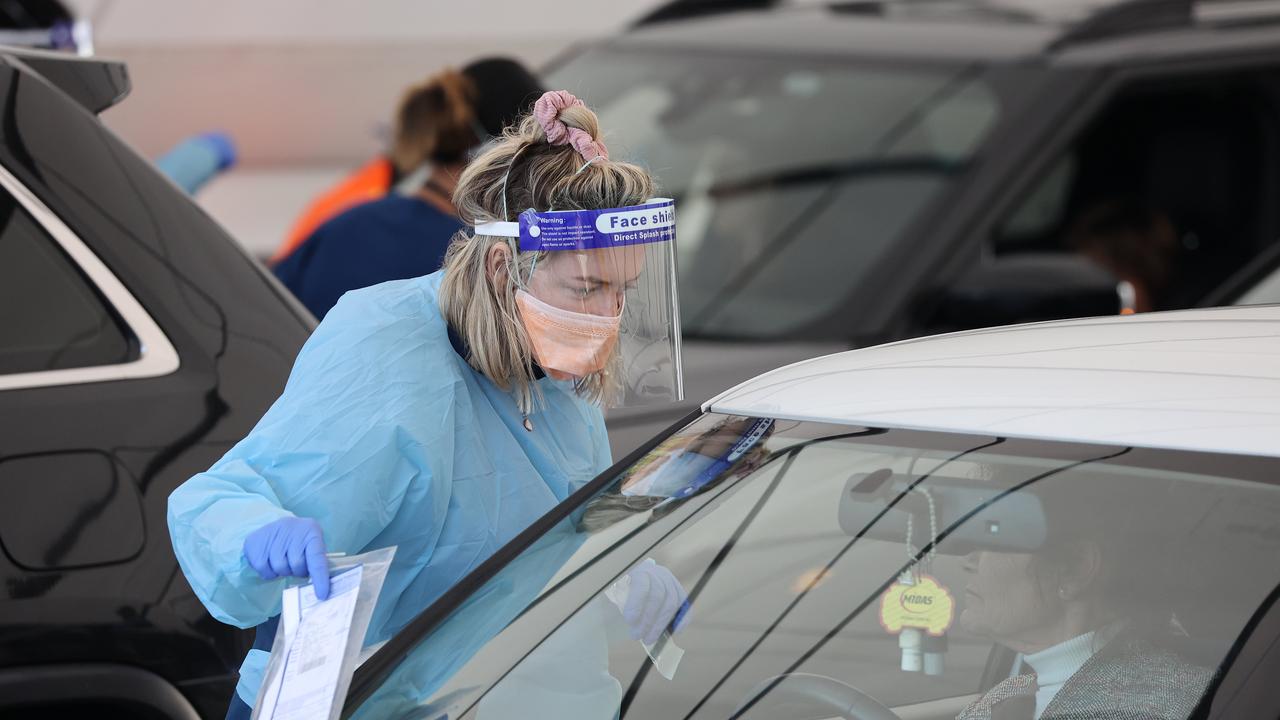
(51, 317)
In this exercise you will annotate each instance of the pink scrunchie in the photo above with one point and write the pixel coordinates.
(547, 112)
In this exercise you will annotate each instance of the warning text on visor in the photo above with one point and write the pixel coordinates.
(597, 229)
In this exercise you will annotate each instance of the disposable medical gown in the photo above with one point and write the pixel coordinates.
(387, 437)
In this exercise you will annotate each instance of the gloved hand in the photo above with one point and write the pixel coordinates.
(655, 600)
(289, 547)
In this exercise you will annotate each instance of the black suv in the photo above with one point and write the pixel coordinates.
(850, 173)
(137, 343)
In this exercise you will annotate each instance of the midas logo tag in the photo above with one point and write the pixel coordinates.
(926, 605)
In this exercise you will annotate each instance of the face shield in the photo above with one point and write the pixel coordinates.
(600, 297)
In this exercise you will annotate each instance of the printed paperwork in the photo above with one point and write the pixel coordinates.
(321, 642)
(316, 636)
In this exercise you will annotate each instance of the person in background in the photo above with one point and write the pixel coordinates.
(405, 234)
(504, 90)
(1137, 244)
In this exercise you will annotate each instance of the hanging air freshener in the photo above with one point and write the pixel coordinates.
(918, 608)
(913, 611)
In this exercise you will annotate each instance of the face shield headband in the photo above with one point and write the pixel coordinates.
(572, 333)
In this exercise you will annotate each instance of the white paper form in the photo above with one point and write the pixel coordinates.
(316, 634)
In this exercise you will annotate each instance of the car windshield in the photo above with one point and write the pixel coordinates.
(792, 175)
(832, 567)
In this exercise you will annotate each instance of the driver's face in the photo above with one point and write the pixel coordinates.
(1003, 600)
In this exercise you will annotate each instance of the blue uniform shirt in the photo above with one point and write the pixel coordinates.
(394, 238)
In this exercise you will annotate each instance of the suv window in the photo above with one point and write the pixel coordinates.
(1169, 188)
(51, 317)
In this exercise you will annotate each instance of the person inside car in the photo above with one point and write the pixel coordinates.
(1137, 244)
(1088, 617)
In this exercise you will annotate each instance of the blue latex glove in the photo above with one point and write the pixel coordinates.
(655, 601)
(289, 547)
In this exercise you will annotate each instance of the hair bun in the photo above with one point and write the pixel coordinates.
(435, 122)
(548, 110)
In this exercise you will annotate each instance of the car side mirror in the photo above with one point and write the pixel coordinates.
(1027, 287)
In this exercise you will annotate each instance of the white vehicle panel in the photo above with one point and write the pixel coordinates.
(1197, 380)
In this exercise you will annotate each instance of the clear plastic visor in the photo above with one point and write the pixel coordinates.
(597, 296)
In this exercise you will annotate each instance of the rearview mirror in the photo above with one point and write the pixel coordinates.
(969, 515)
(1022, 288)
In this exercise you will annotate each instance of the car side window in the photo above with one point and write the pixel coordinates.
(1167, 188)
(51, 315)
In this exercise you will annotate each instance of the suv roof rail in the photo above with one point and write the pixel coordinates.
(1128, 17)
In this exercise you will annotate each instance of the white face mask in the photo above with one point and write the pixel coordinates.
(671, 476)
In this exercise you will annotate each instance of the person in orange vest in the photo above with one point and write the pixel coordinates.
(504, 89)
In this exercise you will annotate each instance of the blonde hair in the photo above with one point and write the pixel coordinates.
(435, 121)
(544, 177)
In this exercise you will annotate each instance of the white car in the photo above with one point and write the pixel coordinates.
(1081, 517)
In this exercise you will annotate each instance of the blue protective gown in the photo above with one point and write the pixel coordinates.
(386, 437)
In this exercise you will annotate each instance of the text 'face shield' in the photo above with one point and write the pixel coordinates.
(601, 297)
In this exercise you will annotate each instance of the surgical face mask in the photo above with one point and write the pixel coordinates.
(671, 476)
(567, 344)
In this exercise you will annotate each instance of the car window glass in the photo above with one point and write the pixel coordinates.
(801, 558)
(774, 158)
(1165, 188)
(1044, 208)
(952, 126)
(767, 300)
(51, 317)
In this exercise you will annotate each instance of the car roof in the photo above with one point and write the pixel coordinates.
(1085, 32)
(1206, 380)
